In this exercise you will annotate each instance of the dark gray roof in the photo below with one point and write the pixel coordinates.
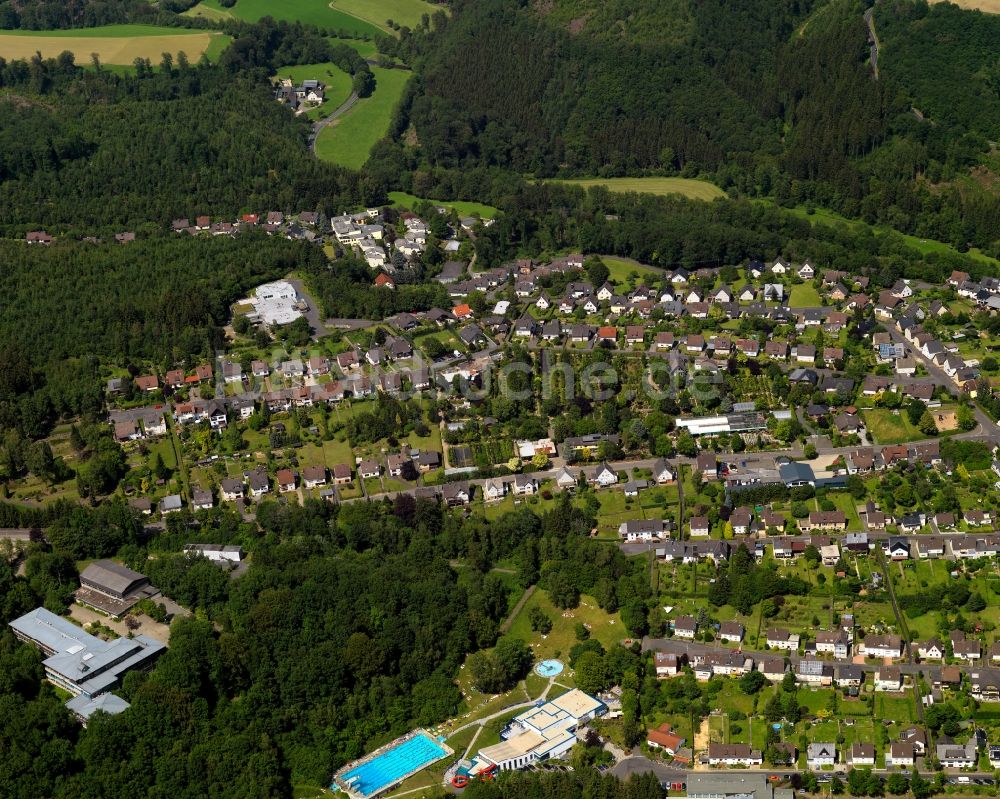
(119, 579)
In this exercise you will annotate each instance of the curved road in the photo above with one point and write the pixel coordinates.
(336, 114)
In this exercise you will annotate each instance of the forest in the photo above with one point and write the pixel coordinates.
(74, 307)
(56, 14)
(92, 151)
(348, 631)
(719, 90)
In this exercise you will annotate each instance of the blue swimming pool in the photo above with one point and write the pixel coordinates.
(549, 668)
(393, 764)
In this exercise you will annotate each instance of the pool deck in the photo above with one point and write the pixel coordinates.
(338, 781)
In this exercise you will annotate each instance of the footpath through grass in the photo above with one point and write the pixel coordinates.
(688, 187)
(349, 141)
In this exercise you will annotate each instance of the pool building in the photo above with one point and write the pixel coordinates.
(386, 767)
(544, 732)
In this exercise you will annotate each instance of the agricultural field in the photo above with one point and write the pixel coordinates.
(690, 188)
(349, 140)
(400, 199)
(406, 13)
(986, 6)
(313, 12)
(113, 44)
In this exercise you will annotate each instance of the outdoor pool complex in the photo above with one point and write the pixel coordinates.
(391, 765)
(549, 668)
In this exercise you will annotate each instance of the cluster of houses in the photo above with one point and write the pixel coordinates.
(311, 93)
(901, 753)
(307, 225)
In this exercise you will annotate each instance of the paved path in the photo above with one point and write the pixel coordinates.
(313, 314)
(503, 711)
(517, 608)
(349, 324)
(336, 114)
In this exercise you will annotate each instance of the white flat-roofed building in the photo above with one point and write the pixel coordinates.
(216, 552)
(78, 661)
(540, 733)
(276, 303)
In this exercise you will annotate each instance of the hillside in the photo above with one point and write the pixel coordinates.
(774, 99)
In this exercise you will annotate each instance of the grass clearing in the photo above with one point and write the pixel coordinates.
(400, 199)
(378, 12)
(113, 44)
(803, 295)
(690, 188)
(604, 627)
(891, 427)
(621, 268)
(313, 12)
(349, 141)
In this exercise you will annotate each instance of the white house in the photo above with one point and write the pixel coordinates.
(821, 754)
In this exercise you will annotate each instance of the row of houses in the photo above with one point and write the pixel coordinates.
(902, 753)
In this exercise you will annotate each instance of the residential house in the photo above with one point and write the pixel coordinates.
(819, 755)
(782, 639)
(881, 646)
(900, 754)
(685, 627)
(888, 678)
(861, 755)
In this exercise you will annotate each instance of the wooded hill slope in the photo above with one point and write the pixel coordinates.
(773, 98)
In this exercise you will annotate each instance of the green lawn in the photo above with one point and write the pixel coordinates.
(621, 268)
(804, 295)
(604, 627)
(365, 48)
(314, 12)
(693, 189)
(400, 199)
(890, 427)
(403, 12)
(338, 82)
(349, 141)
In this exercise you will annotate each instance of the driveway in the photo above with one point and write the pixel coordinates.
(316, 320)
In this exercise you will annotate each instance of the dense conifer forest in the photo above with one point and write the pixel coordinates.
(774, 99)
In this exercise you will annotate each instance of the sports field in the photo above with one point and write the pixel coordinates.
(313, 12)
(695, 189)
(114, 44)
(349, 141)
